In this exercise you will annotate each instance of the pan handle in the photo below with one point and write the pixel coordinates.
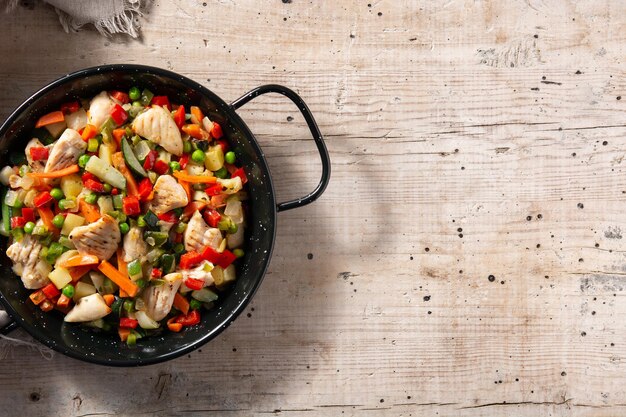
(7, 323)
(315, 131)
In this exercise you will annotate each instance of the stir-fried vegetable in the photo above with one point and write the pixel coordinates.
(132, 221)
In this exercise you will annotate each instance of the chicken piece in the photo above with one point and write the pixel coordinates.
(88, 308)
(159, 299)
(100, 109)
(134, 245)
(157, 125)
(168, 195)
(99, 238)
(27, 262)
(65, 151)
(199, 235)
(35, 166)
(202, 272)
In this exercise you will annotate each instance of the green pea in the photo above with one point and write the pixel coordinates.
(67, 203)
(221, 173)
(68, 290)
(195, 304)
(232, 228)
(82, 161)
(180, 227)
(187, 146)
(28, 227)
(230, 157)
(91, 198)
(107, 187)
(134, 93)
(179, 248)
(57, 194)
(197, 156)
(238, 253)
(137, 104)
(124, 228)
(175, 166)
(58, 221)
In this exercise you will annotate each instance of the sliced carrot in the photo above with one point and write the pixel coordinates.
(109, 299)
(197, 113)
(193, 207)
(80, 260)
(89, 211)
(194, 178)
(173, 326)
(123, 268)
(77, 272)
(89, 132)
(72, 169)
(118, 134)
(118, 162)
(46, 216)
(123, 332)
(181, 303)
(117, 277)
(187, 187)
(50, 118)
(63, 301)
(195, 131)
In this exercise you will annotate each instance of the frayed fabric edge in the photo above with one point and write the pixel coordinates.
(125, 21)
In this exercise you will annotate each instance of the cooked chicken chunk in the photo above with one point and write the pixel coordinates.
(27, 262)
(100, 109)
(134, 245)
(89, 308)
(168, 195)
(99, 238)
(65, 151)
(35, 166)
(202, 272)
(157, 125)
(159, 299)
(198, 234)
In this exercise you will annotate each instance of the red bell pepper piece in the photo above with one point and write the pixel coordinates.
(170, 217)
(212, 217)
(17, 221)
(42, 199)
(215, 189)
(50, 291)
(128, 323)
(145, 188)
(190, 259)
(150, 159)
(46, 306)
(179, 116)
(63, 301)
(161, 167)
(115, 191)
(216, 131)
(88, 176)
(28, 214)
(71, 107)
(190, 319)
(120, 96)
(211, 255)
(241, 174)
(194, 284)
(156, 273)
(226, 258)
(130, 205)
(161, 101)
(39, 153)
(225, 146)
(178, 238)
(119, 115)
(183, 161)
(94, 185)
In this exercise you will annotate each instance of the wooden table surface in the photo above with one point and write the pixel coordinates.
(468, 257)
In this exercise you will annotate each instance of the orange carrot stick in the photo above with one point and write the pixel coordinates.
(109, 299)
(194, 178)
(77, 272)
(46, 216)
(118, 134)
(192, 207)
(173, 326)
(187, 187)
(55, 174)
(123, 332)
(195, 131)
(50, 118)
(80, 260)
(123, 268)
(181, 303)
(131, 185)
(197, 113)
(89, 132)
(89, 211)
(117, 277)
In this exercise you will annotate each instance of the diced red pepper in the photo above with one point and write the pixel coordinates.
(170, 217)
(212, 217)
(28, 214)
(17, 221)
(115, 191)
(39, 153)
(50, 291)
(179, 116)
(190, 259)
(119, 115)
(156, 273)
(241, 174)
(71, 107)
(130, 205)
(120, 96)
(226, 258)
(225, 146)
(89, 176)
(216, 131)
(161, 167)
(211, 255)
(183, 161)
(42, 199)
(145, 188)
(63, 301)
(94, 185)
(190, 319)
(161, 101)
(178, 238)
(37, 297)
(194, 284)
(150, 159)
(128, 323)
(215, 189)
(47, 305)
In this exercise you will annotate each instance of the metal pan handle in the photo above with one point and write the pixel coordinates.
(315, 131)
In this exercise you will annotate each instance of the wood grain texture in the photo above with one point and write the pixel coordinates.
(468, 140)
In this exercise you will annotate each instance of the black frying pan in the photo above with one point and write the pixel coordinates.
(106, 349)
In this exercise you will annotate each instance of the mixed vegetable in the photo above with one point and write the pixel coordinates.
(125, 213)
